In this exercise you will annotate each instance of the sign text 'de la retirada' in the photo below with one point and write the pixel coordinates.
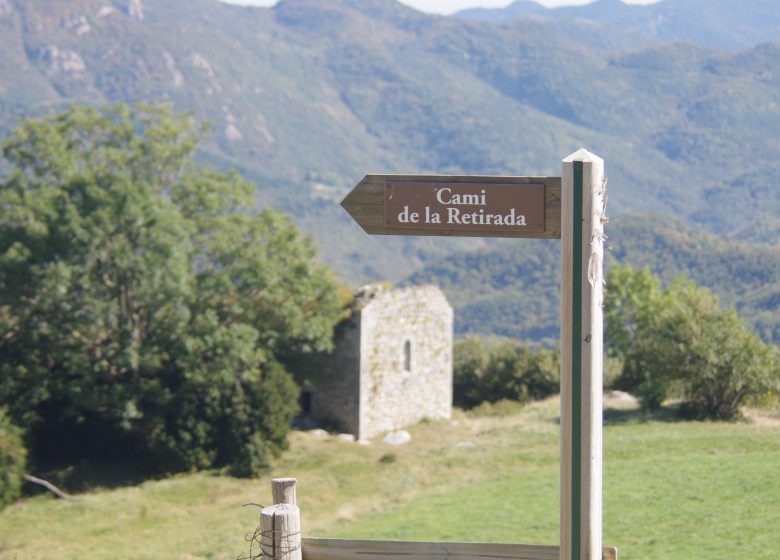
(464, 206)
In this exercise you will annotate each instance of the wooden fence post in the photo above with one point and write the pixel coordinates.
(280, 532)
(583, 199)
(283, 490)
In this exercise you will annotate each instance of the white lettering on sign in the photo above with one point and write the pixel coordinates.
(465, 206)
(445, 196)
(457, 217)
(454, 216)
(406, 218)
(432, 217)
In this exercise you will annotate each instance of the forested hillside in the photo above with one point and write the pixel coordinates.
(308, 96)
(513, 288)
(722, 24)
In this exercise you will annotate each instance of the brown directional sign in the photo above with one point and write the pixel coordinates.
(474, 206)
(464, 206)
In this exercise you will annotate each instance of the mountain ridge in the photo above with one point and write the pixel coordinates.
(724, 24)
(307, 97)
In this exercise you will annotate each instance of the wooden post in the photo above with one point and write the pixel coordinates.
(280, 532)
(583, 200)
(283, 490)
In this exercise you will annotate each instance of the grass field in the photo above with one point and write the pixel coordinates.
(671, 490)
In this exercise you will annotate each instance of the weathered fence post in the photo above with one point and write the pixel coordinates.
(283, 490)
(583, 199)
(280, 532)
(280, 524)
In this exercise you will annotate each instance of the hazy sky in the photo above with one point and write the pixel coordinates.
(450, 6)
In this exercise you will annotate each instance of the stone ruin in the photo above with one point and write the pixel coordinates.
(392, 365)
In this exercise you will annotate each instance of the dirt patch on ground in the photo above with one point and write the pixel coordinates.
(763, 418)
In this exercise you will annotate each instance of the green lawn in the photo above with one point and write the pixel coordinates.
(671, 490)
(687, 490)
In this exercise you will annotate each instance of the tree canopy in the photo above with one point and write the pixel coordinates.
(145, 305)
(680, 339)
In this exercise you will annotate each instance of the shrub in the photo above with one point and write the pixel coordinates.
(542, 376)
(680, 339)
(613, 367)
(13, 457)
(720, 361)
(388, 458)
(498, 409)
(502, 370)
(470, 361)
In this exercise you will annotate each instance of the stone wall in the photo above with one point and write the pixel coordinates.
(336, 397)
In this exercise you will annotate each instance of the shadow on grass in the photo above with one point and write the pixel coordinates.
(84, 476)
(618, 416)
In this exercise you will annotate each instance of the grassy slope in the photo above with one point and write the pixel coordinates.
(691, 490)
(670, 490)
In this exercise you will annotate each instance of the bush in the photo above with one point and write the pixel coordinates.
(12, 460)
(502, 370)
(498, 409)
(720, 361)
(651, 394)
(470, 361)
(680, 339)
(613, 367)
(542, 376)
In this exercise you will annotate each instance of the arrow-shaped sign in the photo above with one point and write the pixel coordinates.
(473, 206)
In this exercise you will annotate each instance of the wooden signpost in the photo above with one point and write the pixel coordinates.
(570, 208)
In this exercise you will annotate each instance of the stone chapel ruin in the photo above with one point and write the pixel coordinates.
(392, 365)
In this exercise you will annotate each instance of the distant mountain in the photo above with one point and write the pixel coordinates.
(513, 288)
(514, 10)
(307, 97)
(723, 24)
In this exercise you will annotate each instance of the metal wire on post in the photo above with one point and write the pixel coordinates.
(278, 537)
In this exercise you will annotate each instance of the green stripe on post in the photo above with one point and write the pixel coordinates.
(576, 364)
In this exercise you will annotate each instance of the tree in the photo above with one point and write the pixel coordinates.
(717, 360)
(632, 310)
(681, 337)
(633, 298)
(144, 304)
